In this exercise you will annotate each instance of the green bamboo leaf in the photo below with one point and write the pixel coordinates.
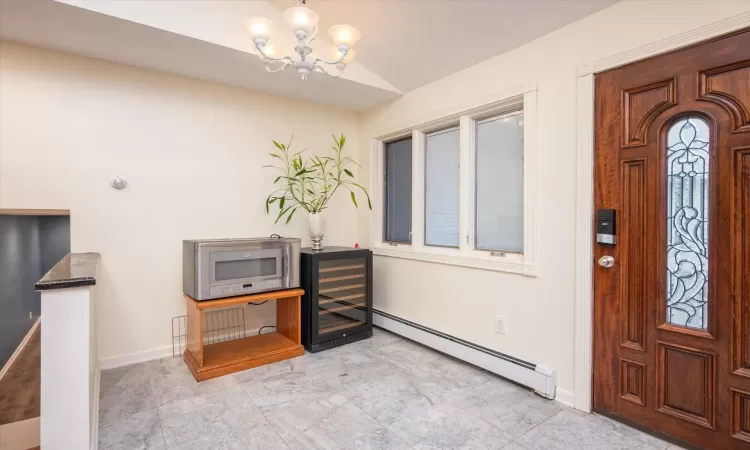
(348, 173)
(279, 146)
(281, 203)
(354, 199)
(342, 141)
(275, 155)
(277, 179)
(281, 214)
(290, 215)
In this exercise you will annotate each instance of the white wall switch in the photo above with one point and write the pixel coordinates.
(501, 325)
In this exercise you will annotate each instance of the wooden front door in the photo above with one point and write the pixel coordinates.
(672, 315)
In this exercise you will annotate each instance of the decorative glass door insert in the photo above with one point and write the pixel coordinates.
(688, 142)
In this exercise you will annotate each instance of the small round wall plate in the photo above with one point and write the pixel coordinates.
(119, 183)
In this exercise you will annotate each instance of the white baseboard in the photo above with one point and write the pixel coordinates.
(20, 347)
(136, 357)
(542, 380)
(565, 397)
(147, 355)
(94, 433)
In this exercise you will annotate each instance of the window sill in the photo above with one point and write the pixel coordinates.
(495, 264)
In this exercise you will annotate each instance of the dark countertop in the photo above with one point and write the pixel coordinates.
(74, 270)
(331, 249)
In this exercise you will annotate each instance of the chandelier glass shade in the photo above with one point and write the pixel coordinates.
(304, 22)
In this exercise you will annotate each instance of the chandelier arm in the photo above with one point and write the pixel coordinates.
(341, 58)
(270, 58)
(283, 66)
(313, 34)
(336, 75)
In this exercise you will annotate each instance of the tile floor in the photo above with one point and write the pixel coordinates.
(382, 393)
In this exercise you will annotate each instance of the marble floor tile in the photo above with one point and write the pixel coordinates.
(342, 424)
(140, 431)
(387, 398)
(212, 420)
(629, 432)
(446, 426)
(165, 394)
(293, 418)
(377, 440)
(286, 387)
(381, 393)
(571, 430)
(507, 406)
(118, 402)
(169, 372)
(123, 376)
(407, 356)
(263, 372)
(256, 434)
(437, 373)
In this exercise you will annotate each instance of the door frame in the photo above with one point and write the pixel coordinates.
(584, 250)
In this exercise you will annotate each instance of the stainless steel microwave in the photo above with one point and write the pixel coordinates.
(215, 268)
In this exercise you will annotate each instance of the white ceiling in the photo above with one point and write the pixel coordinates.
(410, 43)
(405, 43)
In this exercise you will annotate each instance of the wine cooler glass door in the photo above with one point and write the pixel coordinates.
(342, 296)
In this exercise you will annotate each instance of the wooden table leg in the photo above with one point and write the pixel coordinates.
(194, 345)
(289, 318)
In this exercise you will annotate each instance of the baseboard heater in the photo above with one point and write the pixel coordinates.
(540, 378)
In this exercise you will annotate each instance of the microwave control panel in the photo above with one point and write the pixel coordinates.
(239, 289)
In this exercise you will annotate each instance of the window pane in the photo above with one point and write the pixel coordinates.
(398, 191)
(499, 189)
(687, 223)
(441, 189)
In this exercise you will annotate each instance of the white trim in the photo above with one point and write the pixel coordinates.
(671, 43)
(564, 397)
(435, 256)
(584, 250)
(543, 380)
(584, 301)
(127, 359)
(20, 347)
(477, 106)
(466, 115)
(95, 408)
(135, 357)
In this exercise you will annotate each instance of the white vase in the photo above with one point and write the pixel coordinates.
(317, 226)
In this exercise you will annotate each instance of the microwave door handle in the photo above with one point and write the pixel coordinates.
(286, 263)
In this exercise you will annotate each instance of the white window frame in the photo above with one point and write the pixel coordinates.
(522, 96)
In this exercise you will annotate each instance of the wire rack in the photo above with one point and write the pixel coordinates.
(220, 326)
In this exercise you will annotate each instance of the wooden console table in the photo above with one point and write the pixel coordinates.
(215, 360)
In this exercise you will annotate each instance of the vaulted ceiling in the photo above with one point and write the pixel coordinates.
(405, 43)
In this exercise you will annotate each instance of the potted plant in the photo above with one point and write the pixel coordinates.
(309, 184)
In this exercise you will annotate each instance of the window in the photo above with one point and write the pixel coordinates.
(441, 188)
(461, 190)
(398, 173)
(687, 223)
(499, 183)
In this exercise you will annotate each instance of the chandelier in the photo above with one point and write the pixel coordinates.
(304, 22)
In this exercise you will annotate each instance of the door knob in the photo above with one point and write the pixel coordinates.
(606, 261)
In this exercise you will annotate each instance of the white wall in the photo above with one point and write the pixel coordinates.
(191, 152)
(539, 311)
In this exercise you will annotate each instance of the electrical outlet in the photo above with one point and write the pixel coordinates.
(501, 326)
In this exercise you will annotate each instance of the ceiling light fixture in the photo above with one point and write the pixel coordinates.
(304, 22)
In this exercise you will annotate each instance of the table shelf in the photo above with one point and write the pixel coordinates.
(207, 361)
